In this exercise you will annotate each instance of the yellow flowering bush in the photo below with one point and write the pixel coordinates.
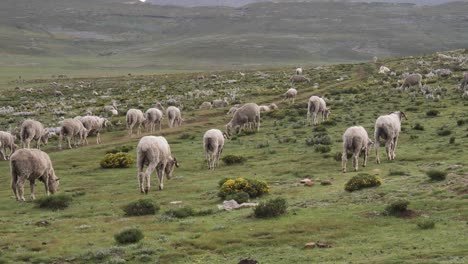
(117, 160)
(361, 181)
(253, 188)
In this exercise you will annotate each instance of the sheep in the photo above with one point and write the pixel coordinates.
(7, 141)
(290, 95)
(153, 118)
(299, 71)
(388, 127)
(31, 165)
(94, 124)
(72, 128)
(317, 105)
(213, 143)
(33, 130)
(384, 70)
(355, 140)
(464, 81)
(233, 109)
(375, 59)
(273, 106)
(134, 117)
(298, 78)
(156, 153)
(159, 106)
(174, 117)
(206, 105)
(411, 80)
(220, 103)
(264, 108)
(247, 115)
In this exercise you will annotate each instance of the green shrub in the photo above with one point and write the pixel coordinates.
(432, 112)
(141, 207)
(116, 160)
(426, 224)
(452, 140)
(418, 126)
(54, 202)
(187, 136)
(271, 208)
(129, 236)
(319, 139)
(322, 149)
(233, 159)
(436, 175)
(120, 149)
(182, 212)
(394, 172)
(253, 188)
(361, 181)
(461, 122)
(444, 132)
(396, 208)
(240, 197)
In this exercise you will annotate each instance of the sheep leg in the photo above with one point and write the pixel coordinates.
(308, 118)
(160, 171)
(14, 185)
(355, 160)
(149, 170)
(31, 187)
(376, 147)
(141, 175)
(388, 148)
(20, 190)
(69, 144)
(98, 138)
(395, 141)
(364, 163)
(344, 159)
(315, 119)
(46, 185)
(2, 151)
(139, 129)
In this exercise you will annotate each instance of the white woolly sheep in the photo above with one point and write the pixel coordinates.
(213, 143)
(72, 128)
(290, 95)
(264, 108)
(413, 79)
(299, 71)
(134, 117)
(153, 118)
(31, 165)
(206, 105)
(355, 140)
(317, 105)
(174, 117)
(220, 103)
(233, 109)
(94, 124)
(33, 130)
(273, 106)
(384, 70)
(298, 78)
(156, 153)
(388, 127)
(247, 115)
(7, 141)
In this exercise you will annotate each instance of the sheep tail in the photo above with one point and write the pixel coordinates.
(209, 144)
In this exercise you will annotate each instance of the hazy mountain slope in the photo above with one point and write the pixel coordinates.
(238, 3)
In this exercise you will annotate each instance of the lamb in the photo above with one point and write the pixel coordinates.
(72, 127)
(153, 118)
(411, 80)
(220, 103)
(299, 71)
(94, 124)
(384, 70)
(31, 165)
(317, 105)
(355, 140)
(233, 109)
(464, 81)
(299, 78)
(247, 115)
(213, 143)
(156, 153)
(7, 141)
(388, 127)
(264, 108)
(174, 118)
(290, 95)
(33, 130)
(206, 105)
(134, 117)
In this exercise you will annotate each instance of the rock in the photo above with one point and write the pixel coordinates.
(454, 167)
(310, 245)
(175, 202)
(326, 182)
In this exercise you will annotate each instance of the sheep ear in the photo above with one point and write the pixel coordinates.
(404, 115)
(176, 163)
(56, 179)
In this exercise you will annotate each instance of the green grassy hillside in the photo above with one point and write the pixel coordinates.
(353, 224)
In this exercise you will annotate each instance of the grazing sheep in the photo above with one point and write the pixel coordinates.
(220, 103)
(159, 106)
(153, 118)
(273, 106)
(298, 78)
(290, 95)
(413, 79)
(31, 165)
(375, 59)
(299, 71)
(33, 130)
(233, 109)
(174, 118)
(94, 124)
(317, 105)
(384, 70)
(156, 153)
(247, 115)
(464, 81)
(7, 141)
(264, 108)
(72, 128)
(355, 140)
(213, 143)
(206, 105)
(134, 117)
(388, 127)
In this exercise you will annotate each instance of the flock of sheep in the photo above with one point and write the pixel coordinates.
(154, 151)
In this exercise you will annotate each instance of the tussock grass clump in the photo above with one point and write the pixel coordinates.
(452, 140)
(240, 197)
(54, 202)
(187, 136)
(129, 236)
(418, 126)
(141, 207)
(117, 160)
(396, 208)
(319, 139)
(444, 132)
(271, 208)
(395, 172)
(361, 181)
(233, 159)
(432, 113)
(436, 175)
(322, 149)
(125, 149)
(426, 224)
(186, 211)
(253, 188)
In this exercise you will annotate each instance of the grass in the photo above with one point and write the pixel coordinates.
(347, 221)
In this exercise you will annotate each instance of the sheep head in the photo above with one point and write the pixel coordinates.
(53, 183)
(170, 166)
(45, 137)
(327, 113)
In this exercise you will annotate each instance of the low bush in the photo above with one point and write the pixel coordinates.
(436, 175)
(322, 149)
(452, 140)
(240, 197)
(116, 160)
(432, 113)
(233, 159)
(253, 188)
(120, 149)
(418, 126)
(182, 212)
(362, 180)
(444, 132)
(129, 236)
(141, 207)
(426, 224)
(54, 202)
(396, 208)
(187, 136)
(271, 208)
(461, 122)
(319, 139)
